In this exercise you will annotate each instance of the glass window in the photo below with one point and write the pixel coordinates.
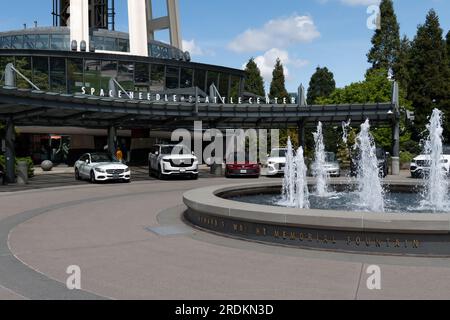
(17, 42)
(124, 45)
(98, 42)
(157, 78)
(5, 42)
(110, 44)
(58, 75)
(92, 73)
(74, 75)
(29, 41)
(200, 79)
(60, 42)
(108, 71)
(142, 77)
(172, 77)
(40, 72)
(223, 84)
(235, 87)
(23, 64)
(212, 78)
(126, 75)
(186, 78)
(42, 41)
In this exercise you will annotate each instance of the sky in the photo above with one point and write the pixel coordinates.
(304, 34)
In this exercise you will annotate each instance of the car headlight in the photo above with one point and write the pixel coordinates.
(127, 170)
(99, 170)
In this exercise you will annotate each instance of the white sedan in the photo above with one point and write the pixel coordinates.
(98, 167)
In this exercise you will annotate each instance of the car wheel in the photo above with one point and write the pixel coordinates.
(159, 174)
(194, 177)
(77, 175)
(93, 180)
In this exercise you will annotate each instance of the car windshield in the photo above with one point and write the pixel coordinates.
(330, 157)
(380, 153)
(175, 150)
(101, 158)
(278, 153)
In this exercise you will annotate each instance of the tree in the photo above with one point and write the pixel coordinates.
(448, 46)
(400, 67)
(254, 82)
(322, 84)
(386, 40)
(429, 84)
(278, 84)
(375, 88)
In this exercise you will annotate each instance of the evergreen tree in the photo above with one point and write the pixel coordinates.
(254, 82)
(278, 85)
(322, 84)
(448, 46)
(386, 40)
(400, 67)
(429, 85)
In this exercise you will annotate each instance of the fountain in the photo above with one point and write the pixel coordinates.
(370, 190)
(436, 183)
(345, 128)
(363, 215)
(295, 185)
(318, 168)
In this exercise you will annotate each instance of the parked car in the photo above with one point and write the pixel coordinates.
(420, 166)
(332, 166)
(276, 162)
(383, 163)
(240, 165)
(172, 161)
(98, 167)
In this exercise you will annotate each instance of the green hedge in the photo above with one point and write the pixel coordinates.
(28, 160)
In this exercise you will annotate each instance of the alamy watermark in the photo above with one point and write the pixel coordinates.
(73, 282)
(374, 19)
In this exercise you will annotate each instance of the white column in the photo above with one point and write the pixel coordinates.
(174, 23)
(137, 21)
(79, 21)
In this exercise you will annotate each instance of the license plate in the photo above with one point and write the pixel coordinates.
(116, 176)
(182, 170)
(243, 171)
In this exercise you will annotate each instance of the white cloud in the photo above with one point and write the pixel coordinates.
(279, 33)
(192, 47)
(266, 63)
(360, 2)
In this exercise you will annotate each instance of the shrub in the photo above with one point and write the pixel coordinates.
(28, 160)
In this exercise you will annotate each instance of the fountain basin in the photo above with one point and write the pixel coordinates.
(412, 234)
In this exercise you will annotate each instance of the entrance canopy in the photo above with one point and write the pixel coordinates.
(37, 108)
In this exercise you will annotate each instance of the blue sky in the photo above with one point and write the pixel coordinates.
(304, 33)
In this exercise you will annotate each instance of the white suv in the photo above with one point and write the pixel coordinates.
(420, 166)
(276, 162)
(172, 160)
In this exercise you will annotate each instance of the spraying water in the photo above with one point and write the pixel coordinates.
(345, 128)
(436, 189)
(289, 176)
(295, 185)
(319, 171)
(370, 190)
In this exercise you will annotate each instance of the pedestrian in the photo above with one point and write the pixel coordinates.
(119, 155)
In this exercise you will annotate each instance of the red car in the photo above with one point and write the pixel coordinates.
(240, 165)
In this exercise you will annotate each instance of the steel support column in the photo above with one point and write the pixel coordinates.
(10, 153)
(112, 140)
(396, 131)
(302, 133)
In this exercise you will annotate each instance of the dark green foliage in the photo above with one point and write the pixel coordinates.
(254, 83)
(321, 85)
(28, 160)
(278, 84)
(386, 40)
(429, 73)
(400, 68)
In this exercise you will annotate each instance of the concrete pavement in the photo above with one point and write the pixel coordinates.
(131, 243)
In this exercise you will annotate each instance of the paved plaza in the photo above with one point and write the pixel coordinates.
(131, 243)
